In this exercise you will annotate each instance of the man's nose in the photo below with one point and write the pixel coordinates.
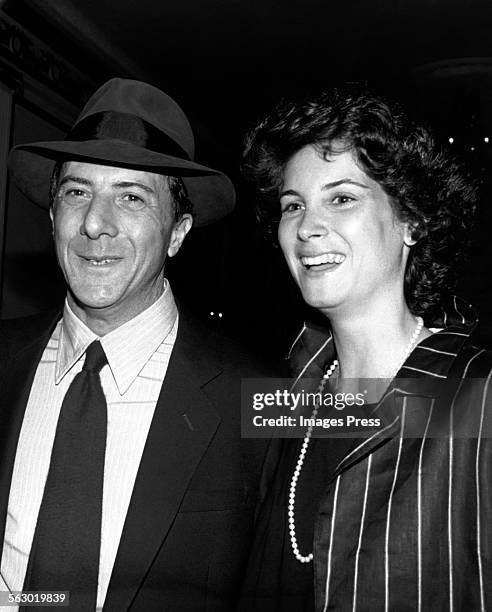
(99, 218)
(312, 225)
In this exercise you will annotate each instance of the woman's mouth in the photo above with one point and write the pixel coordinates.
(322, 261)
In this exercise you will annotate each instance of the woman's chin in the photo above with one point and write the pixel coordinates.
(321, 301)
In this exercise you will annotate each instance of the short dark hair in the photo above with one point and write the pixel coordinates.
(427, 188)
(179, 194)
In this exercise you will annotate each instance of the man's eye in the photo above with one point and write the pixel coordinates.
(72, 195)
(132, 201)
(291, 207)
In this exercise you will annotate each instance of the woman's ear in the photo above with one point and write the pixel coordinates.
(412, 233)
(408, 235)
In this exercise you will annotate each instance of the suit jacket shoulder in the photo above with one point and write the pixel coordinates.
(15, 334)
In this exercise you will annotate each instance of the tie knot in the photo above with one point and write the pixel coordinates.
(95, 358)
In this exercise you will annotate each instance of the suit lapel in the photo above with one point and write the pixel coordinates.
(18, 376)
(183, 426)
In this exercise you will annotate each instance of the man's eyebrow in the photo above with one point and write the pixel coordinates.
(130, 184)
(75, 179)
(119, 185)
(327, 186)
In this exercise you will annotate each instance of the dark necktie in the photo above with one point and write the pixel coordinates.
(65, 550)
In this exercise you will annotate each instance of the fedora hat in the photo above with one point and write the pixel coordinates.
(130, 124)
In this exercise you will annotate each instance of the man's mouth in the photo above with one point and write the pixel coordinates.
(101, 261)
(323, 259)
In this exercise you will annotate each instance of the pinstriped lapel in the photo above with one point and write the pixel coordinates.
(389, 411)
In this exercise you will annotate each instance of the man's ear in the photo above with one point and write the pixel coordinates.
(181, 227)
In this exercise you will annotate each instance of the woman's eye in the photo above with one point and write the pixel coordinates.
(290, 207)
(342, 200)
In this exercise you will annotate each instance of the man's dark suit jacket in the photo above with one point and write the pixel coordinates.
(189, 525)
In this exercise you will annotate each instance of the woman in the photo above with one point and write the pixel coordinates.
(373, 221)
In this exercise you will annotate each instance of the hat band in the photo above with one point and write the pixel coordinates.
(128, 128)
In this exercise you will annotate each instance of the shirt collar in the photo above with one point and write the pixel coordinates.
(128, 347)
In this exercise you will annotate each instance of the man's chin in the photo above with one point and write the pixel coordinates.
(88, 301)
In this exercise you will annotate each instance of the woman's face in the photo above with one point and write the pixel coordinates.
(339, 234)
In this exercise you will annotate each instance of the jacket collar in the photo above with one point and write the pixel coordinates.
(422, 374)
(313, 350)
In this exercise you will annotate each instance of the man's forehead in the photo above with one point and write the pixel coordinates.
(94, 172)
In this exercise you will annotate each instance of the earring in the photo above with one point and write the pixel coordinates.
(416, 233)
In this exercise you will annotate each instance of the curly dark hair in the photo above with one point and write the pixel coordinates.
(428, 189)
(179, 194)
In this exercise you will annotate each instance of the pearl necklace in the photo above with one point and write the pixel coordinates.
(302, 455)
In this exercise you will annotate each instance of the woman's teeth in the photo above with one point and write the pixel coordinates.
(325, 258)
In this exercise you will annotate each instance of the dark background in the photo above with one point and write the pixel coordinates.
(226, 62)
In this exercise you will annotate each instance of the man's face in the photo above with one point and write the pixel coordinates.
(113, 229)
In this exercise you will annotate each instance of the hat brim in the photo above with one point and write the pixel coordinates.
(31, 166)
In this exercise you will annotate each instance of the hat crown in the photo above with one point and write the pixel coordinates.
(145, 102)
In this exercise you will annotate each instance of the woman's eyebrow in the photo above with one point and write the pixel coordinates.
(291, 192)
(326, 186)
(342, 182)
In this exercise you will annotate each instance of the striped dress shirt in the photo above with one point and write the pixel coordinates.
(138, 354)
(404, 523)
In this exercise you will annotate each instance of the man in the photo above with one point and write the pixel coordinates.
(140, 496)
